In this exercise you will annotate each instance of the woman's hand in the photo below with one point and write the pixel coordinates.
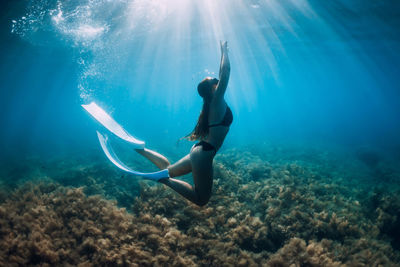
(224, 71)
(224, 47)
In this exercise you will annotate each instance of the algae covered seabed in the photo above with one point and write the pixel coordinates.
(272, 205)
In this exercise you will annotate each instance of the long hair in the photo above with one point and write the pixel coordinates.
(201, 129)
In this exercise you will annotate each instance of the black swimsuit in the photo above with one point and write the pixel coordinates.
(226, 121)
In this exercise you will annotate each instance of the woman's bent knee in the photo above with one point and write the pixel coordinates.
(202, 201)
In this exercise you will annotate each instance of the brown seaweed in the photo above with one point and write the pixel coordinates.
(260, 214)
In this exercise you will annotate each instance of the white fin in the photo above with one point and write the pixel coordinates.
(105, 145)
(110, 124)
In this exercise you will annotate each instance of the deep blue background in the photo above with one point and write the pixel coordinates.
(337, 87)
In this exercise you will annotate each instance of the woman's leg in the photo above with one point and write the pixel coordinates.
(200, 163)
(159, 160)
(181, 167)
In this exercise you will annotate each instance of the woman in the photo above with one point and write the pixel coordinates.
(211, 129)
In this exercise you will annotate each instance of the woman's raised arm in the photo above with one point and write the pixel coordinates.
(224, 71)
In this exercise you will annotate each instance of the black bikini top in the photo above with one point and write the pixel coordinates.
(226, 121)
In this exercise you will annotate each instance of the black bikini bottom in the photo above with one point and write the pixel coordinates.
(206, 146)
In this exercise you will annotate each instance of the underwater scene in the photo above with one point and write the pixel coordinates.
(100, 100)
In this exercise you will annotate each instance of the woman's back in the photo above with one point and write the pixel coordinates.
(220, 117)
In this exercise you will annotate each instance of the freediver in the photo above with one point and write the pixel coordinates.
(211, 129)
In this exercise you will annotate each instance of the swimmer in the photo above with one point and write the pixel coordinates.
(210, 132)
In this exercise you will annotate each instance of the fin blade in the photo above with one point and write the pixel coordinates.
(107, 149)
(110, 124)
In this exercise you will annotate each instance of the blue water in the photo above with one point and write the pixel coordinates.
(301, 70)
